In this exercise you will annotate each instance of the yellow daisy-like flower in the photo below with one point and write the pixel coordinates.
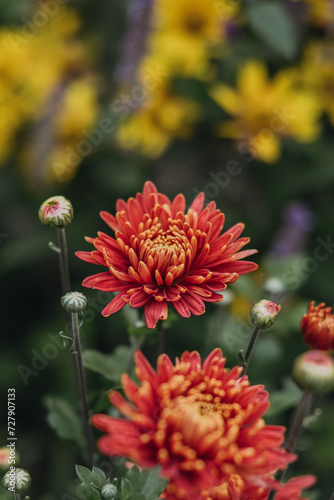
(186, 33)
(264, 110)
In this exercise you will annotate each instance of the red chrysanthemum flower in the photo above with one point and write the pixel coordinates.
(161, 254)
(202, 423)
(318, 327)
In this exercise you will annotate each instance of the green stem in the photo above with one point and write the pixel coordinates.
(302, 410)
(161, 338)
(82, 386)
(63, 261)
(250, 348)
(17, 496)
(136, 342)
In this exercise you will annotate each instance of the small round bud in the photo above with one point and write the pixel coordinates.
(109, 491)
(56, 212)
(74, 302)
(19, 479)
(263, 313)
(313, 371)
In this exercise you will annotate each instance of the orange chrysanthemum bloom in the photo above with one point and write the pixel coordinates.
(202, 423)
(163, 255)
(318, 327)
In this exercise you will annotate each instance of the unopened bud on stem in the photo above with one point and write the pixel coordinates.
(56, 212)
(263, 313)
(74, 302)
(313, 371)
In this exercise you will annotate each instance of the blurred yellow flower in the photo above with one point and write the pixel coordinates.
(75, 113)
(186, 33)
(161, 117)
(264, 110)
(44, 87)
(317, 71)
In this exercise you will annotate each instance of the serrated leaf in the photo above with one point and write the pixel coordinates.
(147, 482)
(83, 474)
(98, 476)
(110, 366)
(94, 478)
(63, 419)
(272, 23)
(126, 488)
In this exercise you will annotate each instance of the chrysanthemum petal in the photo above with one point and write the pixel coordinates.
(197, 204)
(154, 311)
(115, 305)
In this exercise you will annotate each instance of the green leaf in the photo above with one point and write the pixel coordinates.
(273, 25)
(89, 492)
(139, 496)
(83, 474)
(110, 366)
(147, 482)
(126, 488)
(99, 477)
(63, 419)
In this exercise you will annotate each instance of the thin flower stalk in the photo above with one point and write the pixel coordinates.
(250, 348)
(63, 261)
(303, 409)
(73, 303)
(82, 386)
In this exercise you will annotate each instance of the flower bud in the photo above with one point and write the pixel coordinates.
(56, 212)
(263, 313)
(313, 371)
(109, 491)
(318, 327)
(74, 302)
(18, 478)
(4, 458)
